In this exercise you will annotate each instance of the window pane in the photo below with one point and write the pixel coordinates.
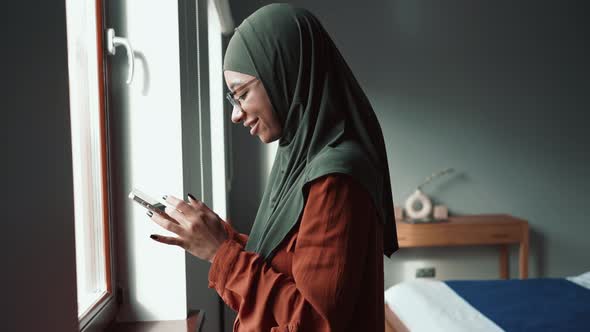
(87, 150)
(217, 116)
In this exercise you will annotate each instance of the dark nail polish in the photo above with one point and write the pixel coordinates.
(153, 236)
(192, 197)
(150, 213)
(164, 197)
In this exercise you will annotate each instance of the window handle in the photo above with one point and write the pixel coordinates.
(112, 43)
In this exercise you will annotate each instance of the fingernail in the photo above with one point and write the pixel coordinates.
(154, 237)
(164, 197)
(150, 213)
(192, 197)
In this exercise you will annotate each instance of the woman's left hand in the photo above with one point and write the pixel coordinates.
(200, 230)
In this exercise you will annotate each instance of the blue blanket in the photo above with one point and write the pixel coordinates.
(538, 304)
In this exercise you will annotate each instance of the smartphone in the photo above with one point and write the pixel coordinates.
(146, 201)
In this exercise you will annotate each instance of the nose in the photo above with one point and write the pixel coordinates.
(237, 114)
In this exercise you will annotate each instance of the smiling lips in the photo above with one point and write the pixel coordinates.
(253, 128)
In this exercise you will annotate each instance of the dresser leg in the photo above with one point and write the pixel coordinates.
(504, 261)
(523, 259)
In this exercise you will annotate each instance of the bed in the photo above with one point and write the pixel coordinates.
(537, 304)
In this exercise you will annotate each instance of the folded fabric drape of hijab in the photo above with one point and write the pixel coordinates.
(328, 123)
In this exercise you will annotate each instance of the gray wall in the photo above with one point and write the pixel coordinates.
(38, 262)
(496, 89)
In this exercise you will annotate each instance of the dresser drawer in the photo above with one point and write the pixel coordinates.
(451, 234)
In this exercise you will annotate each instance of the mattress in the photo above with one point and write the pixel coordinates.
(537, 304)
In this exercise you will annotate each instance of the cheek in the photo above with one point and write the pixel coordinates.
(269, 125)
(265, 122)
(266, 127)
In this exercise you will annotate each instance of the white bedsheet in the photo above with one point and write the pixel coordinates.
(582, 280)
(427, 305)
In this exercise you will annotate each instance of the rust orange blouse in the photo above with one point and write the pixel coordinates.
(326, 275)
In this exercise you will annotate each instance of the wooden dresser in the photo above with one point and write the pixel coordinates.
(481, 229)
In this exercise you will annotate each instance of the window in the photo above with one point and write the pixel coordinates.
(219, 120)
(89, 158)
(151, 115)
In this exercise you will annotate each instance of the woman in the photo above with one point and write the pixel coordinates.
(313, 260)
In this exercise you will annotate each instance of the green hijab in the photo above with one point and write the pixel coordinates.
(328, 123)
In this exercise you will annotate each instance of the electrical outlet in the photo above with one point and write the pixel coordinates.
(425, 272)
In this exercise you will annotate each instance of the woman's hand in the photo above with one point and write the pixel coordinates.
(200, 230)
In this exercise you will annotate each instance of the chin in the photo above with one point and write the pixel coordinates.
(265, 139)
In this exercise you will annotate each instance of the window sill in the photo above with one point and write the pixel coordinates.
(192, 324)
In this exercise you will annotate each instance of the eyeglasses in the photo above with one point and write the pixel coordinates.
(230, 96)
